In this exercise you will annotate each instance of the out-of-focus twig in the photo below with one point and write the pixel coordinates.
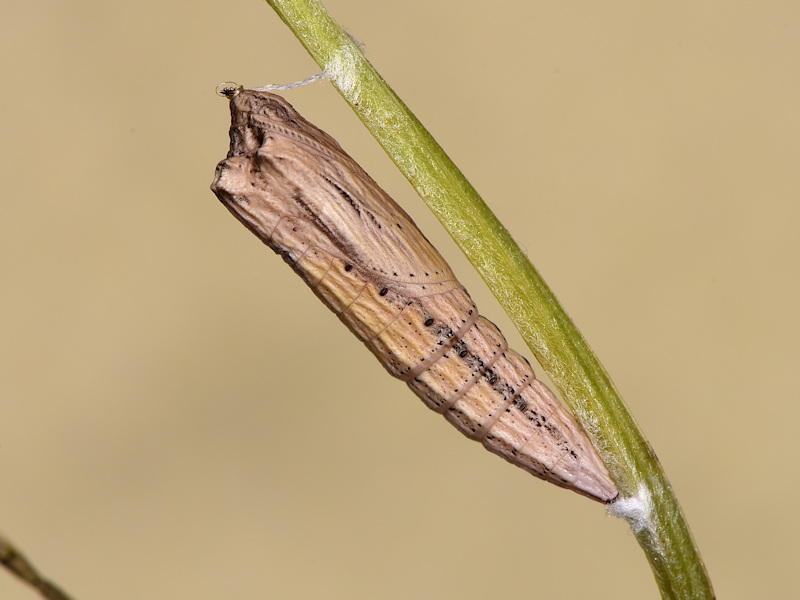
(16, 562)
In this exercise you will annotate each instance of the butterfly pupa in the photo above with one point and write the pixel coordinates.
(293, 186)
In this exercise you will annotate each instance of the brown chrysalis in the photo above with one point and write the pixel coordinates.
(295, 188)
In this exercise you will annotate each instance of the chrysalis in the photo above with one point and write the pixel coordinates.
(295, 188)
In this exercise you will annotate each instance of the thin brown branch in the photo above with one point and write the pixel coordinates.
(16, 562)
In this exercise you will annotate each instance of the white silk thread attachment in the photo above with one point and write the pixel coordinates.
(288, 86)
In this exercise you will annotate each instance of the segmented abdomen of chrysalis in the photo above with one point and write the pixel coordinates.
(294, 187)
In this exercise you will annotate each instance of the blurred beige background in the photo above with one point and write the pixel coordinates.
(181, 418)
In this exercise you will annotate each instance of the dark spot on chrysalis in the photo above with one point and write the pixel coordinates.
(343, 193)
(428, 322)
(491, 377)
(348, 267)
(522, 405)
(384, 291)
(463, 353)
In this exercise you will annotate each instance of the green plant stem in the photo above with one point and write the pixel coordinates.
(554, 339)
